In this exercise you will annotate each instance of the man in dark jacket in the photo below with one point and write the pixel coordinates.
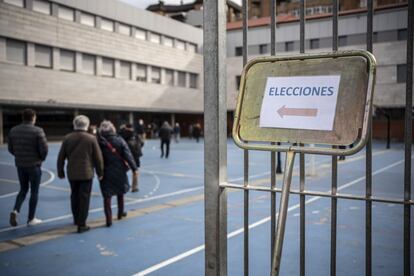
(165, 137)
(28, 144)
(83, 153)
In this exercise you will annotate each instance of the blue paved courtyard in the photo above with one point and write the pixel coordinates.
(164, 231)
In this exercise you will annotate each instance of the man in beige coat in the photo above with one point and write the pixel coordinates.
(83, 153)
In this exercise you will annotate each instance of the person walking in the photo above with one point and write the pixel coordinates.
(117, 160)
(83, 154)
(28, 144)
(197, 132)
(177, 132)
(135, 145)
(165, 137)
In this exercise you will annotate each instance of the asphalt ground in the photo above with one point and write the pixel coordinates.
(164, 231)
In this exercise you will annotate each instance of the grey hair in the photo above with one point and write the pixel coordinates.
(107, 127)
(81, 122)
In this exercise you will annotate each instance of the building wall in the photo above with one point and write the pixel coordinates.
(389, 51)
(28, 84)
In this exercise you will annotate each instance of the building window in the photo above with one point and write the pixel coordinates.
(168, 41)
(88, 64)
(125, 71)
(238, 51)
(342, 40)
(263, 49)
(181, 79)
(18, 3)
(141, 34)
(16, 51)
(43, 56)
(67, 60)
(155, 75)
(41, 6)
(66, 13)
(193, 80)
(402, 34)
(108, 67)
(87, 19)
(192, 48)
(155, 38)
(289, 46)
(141, 74)
(238, 78)
(124, 29)
(314, 43)
(179, 44)
(401, 73)
(169, 77)
(107, 25)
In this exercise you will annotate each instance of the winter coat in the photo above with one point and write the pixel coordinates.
(83, 153)
(165, 133)
(115, 179)
(134, 142)
(28, 144)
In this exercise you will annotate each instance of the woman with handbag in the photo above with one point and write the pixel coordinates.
(117, 161)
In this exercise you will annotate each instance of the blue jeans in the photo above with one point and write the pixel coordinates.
(28, 175)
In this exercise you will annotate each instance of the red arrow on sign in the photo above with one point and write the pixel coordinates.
(304, 112)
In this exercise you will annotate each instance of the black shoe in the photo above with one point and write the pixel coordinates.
(122, 215)
(13, 218)
(82, 229)
(108, 223)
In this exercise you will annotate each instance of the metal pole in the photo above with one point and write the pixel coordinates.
(408, 140)
(281, 220)
(245, 154)
(334, 201)
(215, 145)
(368, 181)
(1, 126)
(273, 154)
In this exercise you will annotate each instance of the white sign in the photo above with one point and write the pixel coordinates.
(307, 102)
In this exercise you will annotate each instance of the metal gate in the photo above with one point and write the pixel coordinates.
(216, 150)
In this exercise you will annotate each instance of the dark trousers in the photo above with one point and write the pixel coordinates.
(167, 144)
(32, 176)
(79, 200)
(108, 209)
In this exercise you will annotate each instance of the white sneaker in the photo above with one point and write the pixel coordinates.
(34, 222)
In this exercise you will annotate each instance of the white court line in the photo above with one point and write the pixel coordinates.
(251, 226)
(47, 182)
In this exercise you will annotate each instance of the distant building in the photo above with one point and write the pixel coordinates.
(262, 8)
(192, 13)
(389, 37)
(101, 58)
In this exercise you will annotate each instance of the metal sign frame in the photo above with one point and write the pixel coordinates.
(326, 148)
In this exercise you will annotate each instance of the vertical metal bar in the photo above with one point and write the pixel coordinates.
(281, 220)
(302, 214)
(302, 27)
(272, 154)
(408, 140)
(302, 235)
(215, 146)
(245, 12)
(368, 179)
(334, 202)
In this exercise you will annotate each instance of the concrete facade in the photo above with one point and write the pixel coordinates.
(388, 49)
(51, 87)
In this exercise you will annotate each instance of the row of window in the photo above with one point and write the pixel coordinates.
(400, 68)
(71, 61)
(317, 43)
(91, 20)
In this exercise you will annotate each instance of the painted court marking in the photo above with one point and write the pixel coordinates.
(258, 223)
(47, 182)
